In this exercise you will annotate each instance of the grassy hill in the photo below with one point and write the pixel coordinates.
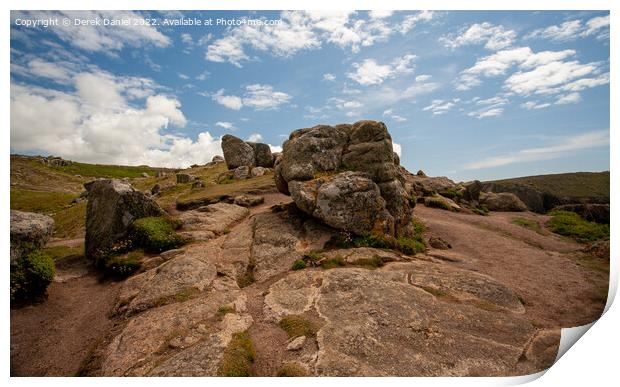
(50, 190)
(575, 184)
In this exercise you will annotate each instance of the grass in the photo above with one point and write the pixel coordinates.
(224, 310)
(481, 210)
(332, 263)
(44, 202)
(451, 194)
(110, 171)
(527, 223)
(292, 369)
(577, 184)
(297, 325)
(156, 234)
(124, 265)
(437, 202)
(70, 222)
(57, 253)
(238, 356)
(369, 263)
(574, 226)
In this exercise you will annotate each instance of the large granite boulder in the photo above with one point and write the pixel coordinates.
(112, 206)
(312, 170)
(503, 201)
(29, 231)
(262, 155)
(237, 152)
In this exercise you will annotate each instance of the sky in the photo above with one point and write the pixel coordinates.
(464, 94)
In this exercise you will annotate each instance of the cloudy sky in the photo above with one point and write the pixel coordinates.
(465, 94)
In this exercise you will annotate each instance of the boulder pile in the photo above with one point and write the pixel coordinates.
(346, 176)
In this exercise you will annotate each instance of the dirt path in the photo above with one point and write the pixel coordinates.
(52, 338)
(542, 268)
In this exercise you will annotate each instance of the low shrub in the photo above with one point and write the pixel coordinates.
(411, 245)
(334, 262)
(481, 210)
(299, 264)
(31, 276)
(224, 310)
(156, 234)
(369, 263)
(296, 325)
(124, 265)
(451, 194)
(437, 202)
(572, 225)
(238, 356)
(292, 369)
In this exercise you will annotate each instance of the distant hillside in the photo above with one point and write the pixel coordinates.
(574, 185)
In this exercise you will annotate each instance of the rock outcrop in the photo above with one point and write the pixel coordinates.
(29, 231)
(503, 201)
(112, 206)
(238, 153)
(345, 176)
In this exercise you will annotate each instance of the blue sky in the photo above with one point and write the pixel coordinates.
(464, 94)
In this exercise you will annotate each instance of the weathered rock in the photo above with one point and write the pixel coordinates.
(237, 153)
(197, 184)
(215, 218)
(600, 249)
(248, 200)
(160, 174)
(310, 170)
(183, 178)
(112, 207)
(29, 231)
(296, 344)
(217, 159)
(421, 173)
(396, 159)
(262, 155)
(438, 243)
(346, 201)
(472, 192)
(535, 199)
(155, 189)
(258, 171)
(241, 173)
(144, 174)
(503, 201)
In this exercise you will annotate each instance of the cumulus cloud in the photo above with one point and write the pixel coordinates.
(573, 29)
(255, 137)
(397, 149)
(564, 147)
(264, 97)
(568, 98)
(545, 72)
(390, 114)
(439, 107)
(369, 72)
(308, 30)
(225, 125)
(104, 39)
(329, 77)
(230, 101)
(494, 37)
(101, 120)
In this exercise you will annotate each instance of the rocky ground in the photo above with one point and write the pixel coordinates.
(491, 305)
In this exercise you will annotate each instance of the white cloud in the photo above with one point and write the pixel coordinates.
(230, 101)
(390, 114)
(380, 14)
(493, 37)
(97, 122)
(397, 149)
(183, 76)
(439, 107)
(565, 147)
(308, 30)
(255, 137)
(369, 72)
(389, 95)
(544, 72)
(225, 125)
(329, 77)
(568, 98)
(103, 39)
(263, 97)
(534, 105)
(422, 78)
(487, 112)
(573, 29)
(59, 72)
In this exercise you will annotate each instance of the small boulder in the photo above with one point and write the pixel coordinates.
(183, 178)
(262, 155)
(241, 173)
(217, 159)
(248, 200)
(237, 153)
(503, 201)
(258, 171)
(156, 189)
(29, 231)
(144, 174)
(439, 243)
(112, 207)
(296, 344)
(421, 173)
(197, 184)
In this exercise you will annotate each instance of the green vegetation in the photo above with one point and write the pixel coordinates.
(156, 234)
(44, 202)
(369, 263)
(186, 294)
(481, 210)
(577, 184)
(238, 356)
(124, 265)
(70, 222)
(572, 225)
(437, 202)
(527, 223)
(224, 310)
(31, 276)
(331, 263)
(297, 325)
(451, 194)
(56, 253)
(110, 171)
(411, 245)
(299, 264)
(292, 369)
